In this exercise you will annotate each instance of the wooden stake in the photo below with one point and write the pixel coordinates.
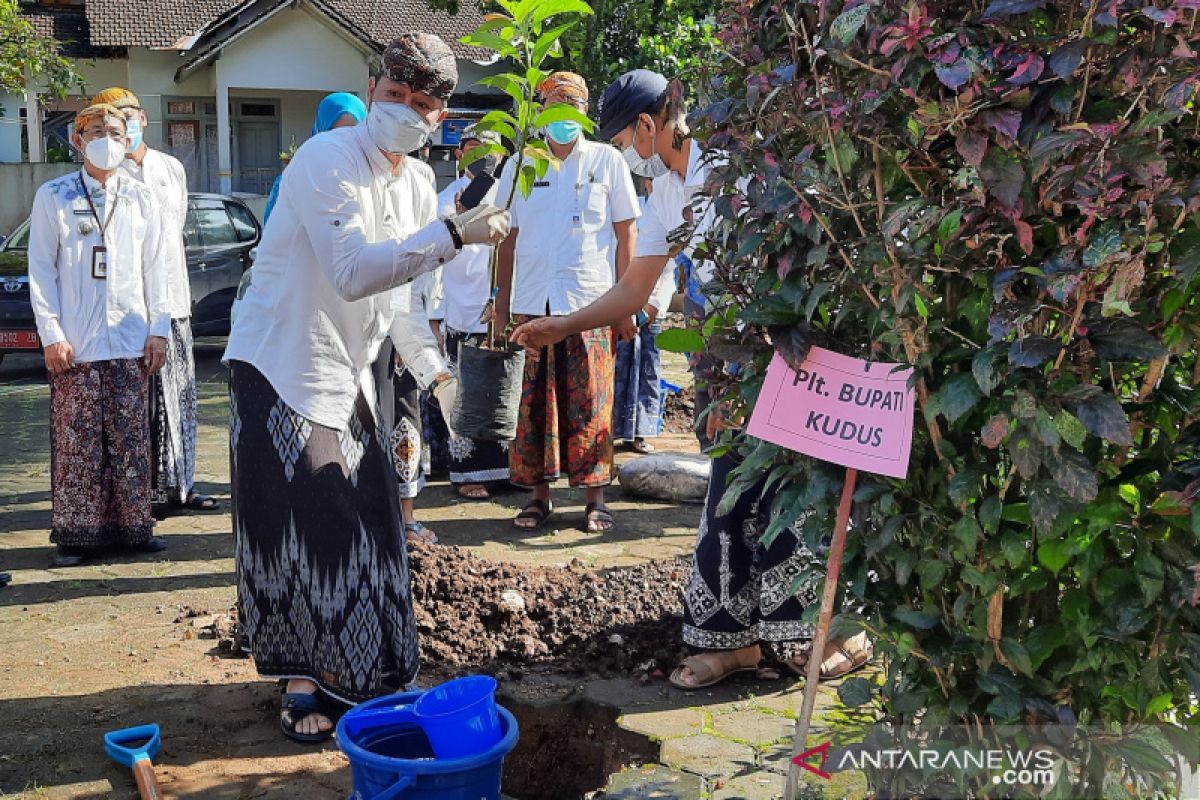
(812, 681)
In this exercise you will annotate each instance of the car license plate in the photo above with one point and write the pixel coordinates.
(25, 340)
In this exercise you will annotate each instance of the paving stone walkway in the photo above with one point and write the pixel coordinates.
(90, 636)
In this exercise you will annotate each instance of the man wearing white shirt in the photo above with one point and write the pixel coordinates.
(465, 290)
(569, 238)
(103, 314)
(173, 390)
(741, 595)
(323, 587)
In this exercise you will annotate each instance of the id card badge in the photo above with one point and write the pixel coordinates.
(100, 262)
(577, 220)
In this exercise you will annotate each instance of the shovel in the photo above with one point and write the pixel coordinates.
(123, 747)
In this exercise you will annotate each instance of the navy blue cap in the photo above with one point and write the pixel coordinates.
(633, 93)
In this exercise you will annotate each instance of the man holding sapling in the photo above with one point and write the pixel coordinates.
(741, 595)
(568, 237)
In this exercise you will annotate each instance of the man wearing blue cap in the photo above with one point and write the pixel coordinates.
(740, 594)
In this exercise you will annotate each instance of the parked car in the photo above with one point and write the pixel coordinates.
(220, 237)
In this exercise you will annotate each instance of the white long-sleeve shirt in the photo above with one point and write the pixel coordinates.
(164, 176)
(101, 318)
(467, 280)
(665, 208)
(321, 302)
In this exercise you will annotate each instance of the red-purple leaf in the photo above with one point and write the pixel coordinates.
(971, 146)
(1165, 16)
(1028, 71)
(955, 75)
(1004, 120)
(1004, 177)
(1066, 59)
(995, 431)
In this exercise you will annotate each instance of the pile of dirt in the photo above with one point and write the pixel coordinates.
(679, 411)
(512, 619)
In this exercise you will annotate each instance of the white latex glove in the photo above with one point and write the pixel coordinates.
(445, 393)
(482, 225)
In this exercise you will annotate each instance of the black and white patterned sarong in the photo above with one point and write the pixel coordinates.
(323, 582)
(173, 418)
(741, 593)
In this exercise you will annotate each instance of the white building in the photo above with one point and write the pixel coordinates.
(229, 84)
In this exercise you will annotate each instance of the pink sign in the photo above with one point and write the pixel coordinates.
(838, 409)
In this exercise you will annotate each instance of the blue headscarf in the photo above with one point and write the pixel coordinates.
(331, 109)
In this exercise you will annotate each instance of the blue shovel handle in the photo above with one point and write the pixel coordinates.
(116, 744)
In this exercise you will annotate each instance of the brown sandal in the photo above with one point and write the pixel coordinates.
(857, 651)
(473, 491)
(705, 675)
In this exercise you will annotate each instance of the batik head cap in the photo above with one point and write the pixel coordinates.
(422, 61)
(118, 97)
(97, 111)
(563, 87)
(473, 132)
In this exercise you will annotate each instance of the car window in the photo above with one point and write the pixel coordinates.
(19, 239)
(191, 236)
(243, 222)
(216, 229)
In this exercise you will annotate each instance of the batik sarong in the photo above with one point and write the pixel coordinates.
(100, 455)
(322, 565)
(565, 420)
(741, 593)
(173, 417)
(638, 376)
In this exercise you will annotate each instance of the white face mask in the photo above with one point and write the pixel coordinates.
(104, 153)
(652, 167)
(395, 128)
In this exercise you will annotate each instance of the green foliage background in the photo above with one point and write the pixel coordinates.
(1005, 196)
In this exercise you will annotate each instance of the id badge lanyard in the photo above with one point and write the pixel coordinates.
(100, 251)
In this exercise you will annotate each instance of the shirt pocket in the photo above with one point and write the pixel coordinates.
(595, 206)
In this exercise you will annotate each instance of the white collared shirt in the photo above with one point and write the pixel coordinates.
(566, 246)
(101, 318)
(164, 176)
(467, 280)
(321, 302)
(669, 197)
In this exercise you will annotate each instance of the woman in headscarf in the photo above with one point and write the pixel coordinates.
(338, 110)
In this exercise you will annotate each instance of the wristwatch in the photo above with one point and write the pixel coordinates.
(454, 234)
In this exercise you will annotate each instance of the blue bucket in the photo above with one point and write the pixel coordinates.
(396, 762)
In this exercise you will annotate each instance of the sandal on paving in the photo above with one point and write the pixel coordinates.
(538, 511)
(642, 446)
(473, 491)
(296, 707)
(595, 515)
(416, 533)
(849, 655)
(704, 674)
(202, 502)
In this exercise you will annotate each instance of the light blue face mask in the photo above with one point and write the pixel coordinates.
(133, 129)
(564, 131)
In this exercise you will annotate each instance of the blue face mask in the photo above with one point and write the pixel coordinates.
(564, 131)
(133, 129)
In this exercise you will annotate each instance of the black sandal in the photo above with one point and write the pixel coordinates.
(297, 706)
(602, 514)
(202, 502)
(536, 510)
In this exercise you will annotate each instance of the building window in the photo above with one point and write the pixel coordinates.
(258, 110)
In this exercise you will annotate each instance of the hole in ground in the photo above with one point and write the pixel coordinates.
(568, 748)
